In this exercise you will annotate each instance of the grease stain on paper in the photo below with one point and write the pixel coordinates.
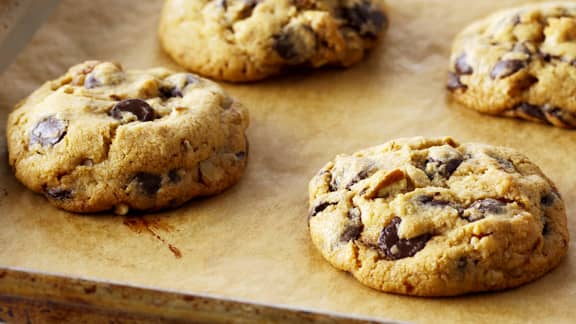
(140, 224)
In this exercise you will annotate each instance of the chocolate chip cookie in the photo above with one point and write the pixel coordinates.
(431, 217)
(247, 40)
(101, 138)
(520, 63)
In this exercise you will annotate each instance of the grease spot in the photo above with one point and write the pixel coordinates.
(142, 225)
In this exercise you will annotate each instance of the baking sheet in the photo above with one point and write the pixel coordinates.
(251, 242)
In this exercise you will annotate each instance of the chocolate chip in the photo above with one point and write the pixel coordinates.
(454, 82)
(506, 164)
(333, 184)
(304, 4)
(295, 44)
(48, 131)
(516, 20)
(444, 168)
(548, 200)
(248, 8)
(351, 232)
(461, 66)
(480, 208)
(167, 92)
(561, 117)
(91, 81)
(531, 111)
(489, 205)
(149, 183)
(284, 47)
(431, 201)
(506, 68)
(140, 108)
(395, 248)
(354, 228)
(174, 176)
(58, 193)
(319, 208)
(359, 177)
(363, 18)
(240, 155)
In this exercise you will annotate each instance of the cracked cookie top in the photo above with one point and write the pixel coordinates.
(101, 138)
(520, 62)
(246, 40)
(432, 217)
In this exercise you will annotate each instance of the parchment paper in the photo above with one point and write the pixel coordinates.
(252, 242)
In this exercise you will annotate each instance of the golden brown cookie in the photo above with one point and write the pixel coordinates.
(432, 217)
(247, 40)
(519, 62)
(101, 138)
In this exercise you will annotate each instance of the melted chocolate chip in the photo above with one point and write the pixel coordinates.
(140, 108)
(333, 186)
(285, 47)
(304, 4)
(248, 8)
(395, 248)
(506, 68)
(532, 111)
(174, 176)
(58, 193)
(505, 164)
(319, 208)
(354, 228)
(563, 117)
(489, 205)
(480, 208)
(461, 66)
(168, 92)
(548, 200)
(454, 82)
(359, 177)
(351, 232)
(363, 18)
(149, 183)
(431, 201)
(444, 168)
(48, 131)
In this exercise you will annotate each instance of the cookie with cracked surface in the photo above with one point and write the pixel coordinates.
(248, 40)
(101, 138)
(519, 62)
(431, 217)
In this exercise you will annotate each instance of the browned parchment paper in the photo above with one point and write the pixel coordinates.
(252, 242)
